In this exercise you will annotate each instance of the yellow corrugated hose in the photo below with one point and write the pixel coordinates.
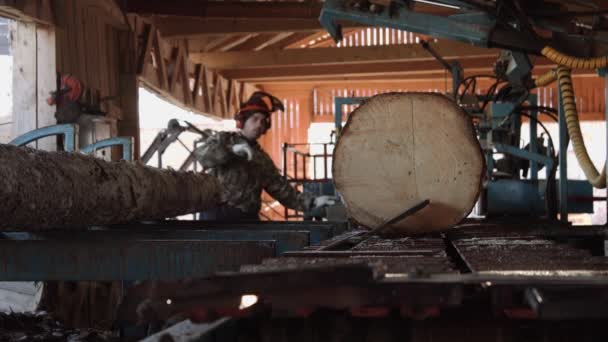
(545, 79)
(574, 62)
(574, 130)
(563, 75)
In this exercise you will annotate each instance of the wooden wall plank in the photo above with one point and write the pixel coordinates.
(23, 46)
(46, 82)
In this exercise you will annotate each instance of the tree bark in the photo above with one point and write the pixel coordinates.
(399, 149)
(44, 190)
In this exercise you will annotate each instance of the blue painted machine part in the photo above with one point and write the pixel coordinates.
(524, 154)
(580, 197)
(470, 29)
(285, 241)
(510, 196)
(319, 231)
(108, 260)
(522, 197)
(338, 103)
(125, 142)
(68, 131)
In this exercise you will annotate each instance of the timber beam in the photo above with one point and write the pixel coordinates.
(383, 71)
(165, 68)
(186, 27)
(224, 9)
(39, 11)
(337, 56)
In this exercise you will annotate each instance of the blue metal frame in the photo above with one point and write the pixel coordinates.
(125, 259)
(604, 73)
(285, 241)
(338, 103)
(474, 29)
(68, 131)
(564, 140)
(524, 154)
(125, 142)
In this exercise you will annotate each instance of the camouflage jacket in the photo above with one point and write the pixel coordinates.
(242, 180)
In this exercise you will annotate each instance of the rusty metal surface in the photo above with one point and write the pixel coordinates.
(33, 260)
(509, 250)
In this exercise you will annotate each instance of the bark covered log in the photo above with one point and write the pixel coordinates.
(42, 190)
(399, 149)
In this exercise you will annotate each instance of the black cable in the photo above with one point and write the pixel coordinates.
(542, 110)
(552, 146)
(490, 93)
(467, 81)
(553, 172)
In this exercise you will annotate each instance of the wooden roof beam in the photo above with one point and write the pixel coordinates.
(330, 55)
(288, 41)
(183, 27)
(254, 43)
(421, 68)
(225, 9)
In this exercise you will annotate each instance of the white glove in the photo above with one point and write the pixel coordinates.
(324, 201)
(243, 150)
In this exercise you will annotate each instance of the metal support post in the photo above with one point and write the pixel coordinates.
(563, 161)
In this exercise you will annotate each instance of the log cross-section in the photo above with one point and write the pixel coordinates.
(398, 149)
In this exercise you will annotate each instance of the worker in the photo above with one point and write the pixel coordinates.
(244, 169)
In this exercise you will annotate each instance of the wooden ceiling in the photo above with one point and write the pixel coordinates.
(282, 41)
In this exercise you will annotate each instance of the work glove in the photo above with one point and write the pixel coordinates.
(324, 201)
(243, 150)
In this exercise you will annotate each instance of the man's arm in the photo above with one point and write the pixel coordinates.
(216, 150)
(279, 188)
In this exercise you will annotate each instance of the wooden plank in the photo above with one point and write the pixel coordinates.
(81, 27)
(129, 91)
(207, 91)
(23, 47)
(161, 65)
(105, 41)
(46, 82)
(277, 39)
(228, 9)
(70, 48)
(113, 68)
(37, 11)
(143, 50)
(417, 67)
(256, 43)
(318, 56)
(90, 60)
(194, 28)
(62, 56)
(233, 43)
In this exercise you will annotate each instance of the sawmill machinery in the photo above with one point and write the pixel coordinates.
(170, 135)
(557, 30)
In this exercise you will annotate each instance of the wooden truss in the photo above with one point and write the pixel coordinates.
(164, 67)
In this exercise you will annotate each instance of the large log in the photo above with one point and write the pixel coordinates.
(399, 149)
(43, 190)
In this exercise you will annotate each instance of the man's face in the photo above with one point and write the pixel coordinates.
(255, 126)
